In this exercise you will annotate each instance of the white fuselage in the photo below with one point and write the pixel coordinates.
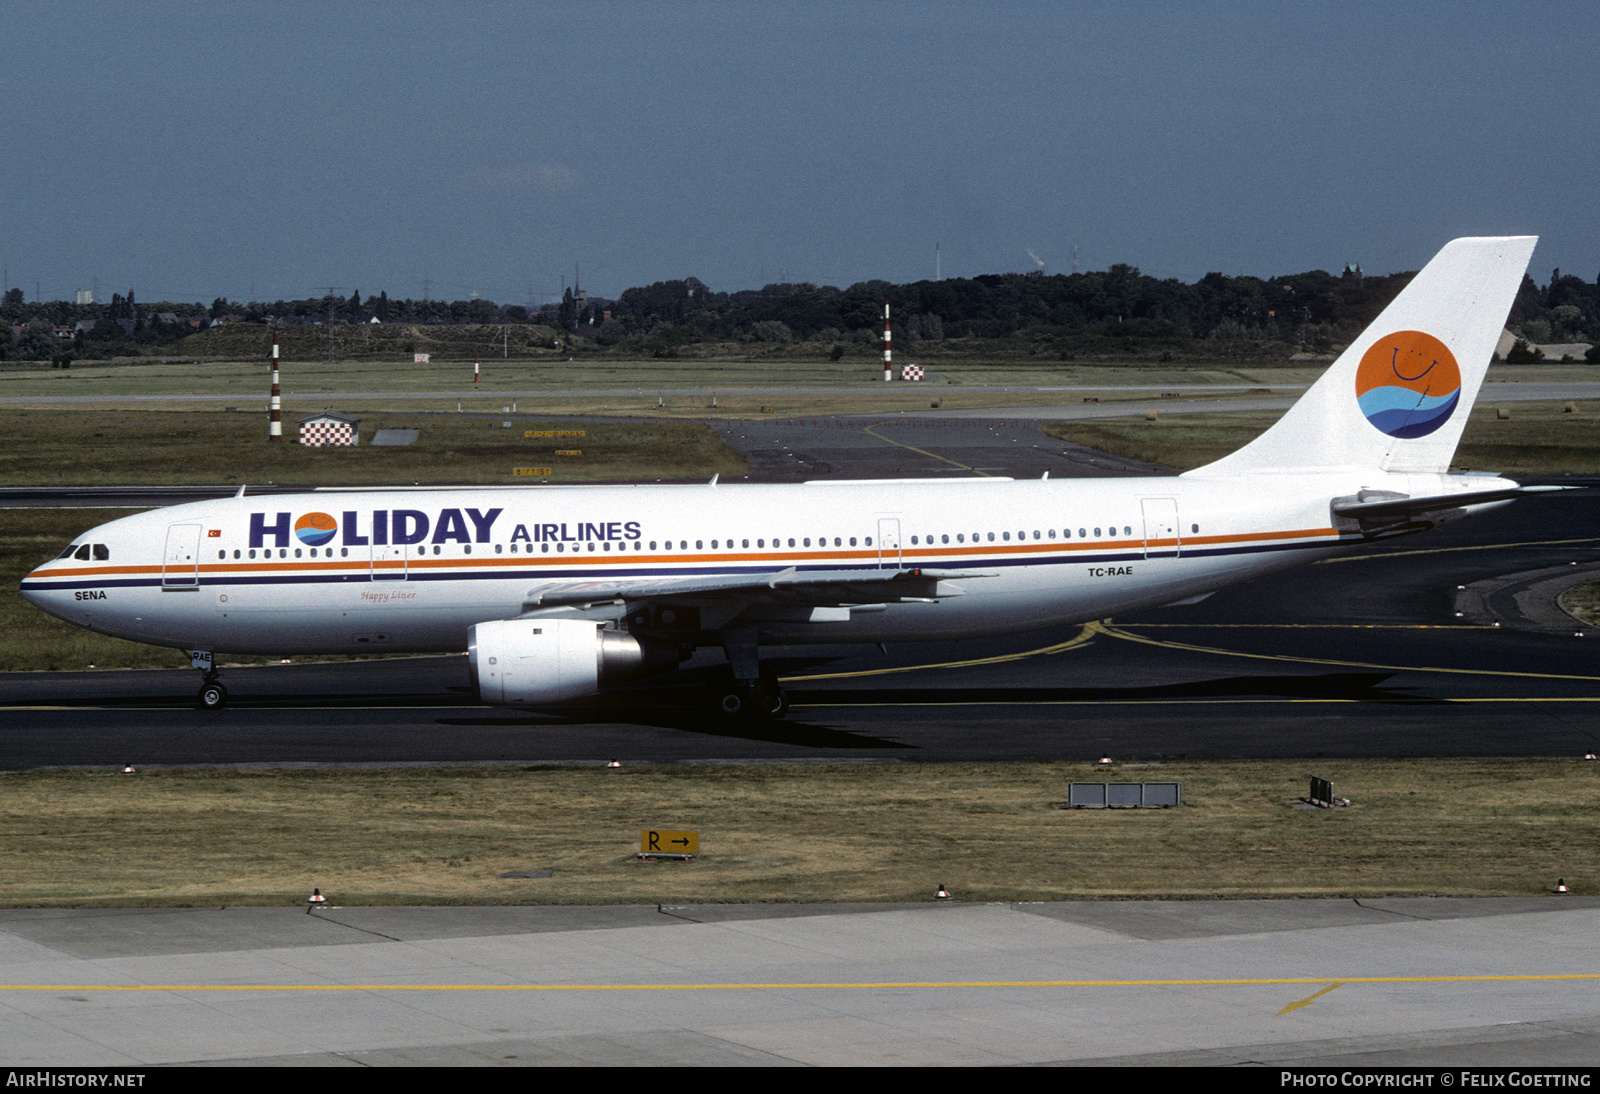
(411, 570)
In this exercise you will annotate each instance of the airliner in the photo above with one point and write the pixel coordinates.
(560, 592)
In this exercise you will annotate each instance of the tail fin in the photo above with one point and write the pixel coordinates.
(1399, 396)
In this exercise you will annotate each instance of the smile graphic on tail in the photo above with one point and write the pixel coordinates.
(1408, 384)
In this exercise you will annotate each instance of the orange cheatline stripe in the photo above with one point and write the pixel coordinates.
(921, 556)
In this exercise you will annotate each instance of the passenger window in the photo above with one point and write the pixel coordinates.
(236, 554)
(222, 554)
(852, 541)
(297, 552)
(1005, 536)
(1194, 528)
(698, 544)
(252, 554)
(991, 537)
(344, 552)
(944, 539)
(744, 543)
(961, 537)
(1083, 533)
(1097, 531)
(868, 542)
(545, 547)
(497, 548)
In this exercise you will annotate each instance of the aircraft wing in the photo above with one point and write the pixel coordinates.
(789, 586)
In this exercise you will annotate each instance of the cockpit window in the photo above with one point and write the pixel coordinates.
(101, 552)
(71, 547)
(82, 554)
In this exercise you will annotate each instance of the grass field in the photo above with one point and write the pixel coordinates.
(1537, 438)
(860, 832)
(1583, 601)
(106, 447)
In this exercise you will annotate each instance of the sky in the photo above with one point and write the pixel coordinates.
(267, 151)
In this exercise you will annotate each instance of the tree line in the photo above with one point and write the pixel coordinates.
(1117, 307)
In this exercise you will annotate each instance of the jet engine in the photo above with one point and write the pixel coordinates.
(544, 660)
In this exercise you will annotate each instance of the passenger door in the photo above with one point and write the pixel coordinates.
(1161, 538)
(180, 565)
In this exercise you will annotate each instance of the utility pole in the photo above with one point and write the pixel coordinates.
(330, 291)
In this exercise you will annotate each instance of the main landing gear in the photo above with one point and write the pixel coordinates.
(756, 692)
(213, 696)
(762, 698)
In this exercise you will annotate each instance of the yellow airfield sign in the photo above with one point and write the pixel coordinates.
(660, 841)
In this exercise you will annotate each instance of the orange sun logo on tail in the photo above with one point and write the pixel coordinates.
(1408, 384)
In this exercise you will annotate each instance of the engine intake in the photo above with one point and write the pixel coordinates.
(517, 661)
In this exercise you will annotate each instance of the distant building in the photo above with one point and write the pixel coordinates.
(86, 296)
(694, 285)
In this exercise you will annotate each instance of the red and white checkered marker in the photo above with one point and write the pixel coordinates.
(317, 434)
(911, 372)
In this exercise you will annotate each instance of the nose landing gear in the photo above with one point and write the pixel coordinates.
(213, 696)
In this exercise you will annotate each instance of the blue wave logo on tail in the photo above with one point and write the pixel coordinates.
(1408, 384)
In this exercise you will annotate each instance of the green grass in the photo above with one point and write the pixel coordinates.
(106, 447)
(860, 832)
(1582, 601)
(1537, 438)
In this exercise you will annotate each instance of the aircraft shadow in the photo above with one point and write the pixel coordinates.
(1351, 686)
(686, 710)
(697, 718)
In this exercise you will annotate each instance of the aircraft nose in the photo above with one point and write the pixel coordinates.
(36, 590)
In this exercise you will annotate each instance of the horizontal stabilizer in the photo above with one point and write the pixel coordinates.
(1371, 505)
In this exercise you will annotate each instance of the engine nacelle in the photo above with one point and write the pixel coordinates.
(517, 661)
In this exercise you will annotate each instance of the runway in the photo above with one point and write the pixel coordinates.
(1307, 983)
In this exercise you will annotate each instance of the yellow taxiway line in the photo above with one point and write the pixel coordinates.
(844, 985)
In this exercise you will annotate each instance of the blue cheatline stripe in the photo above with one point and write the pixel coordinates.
(548, 572)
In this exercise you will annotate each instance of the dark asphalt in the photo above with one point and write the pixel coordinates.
(1362, 656)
